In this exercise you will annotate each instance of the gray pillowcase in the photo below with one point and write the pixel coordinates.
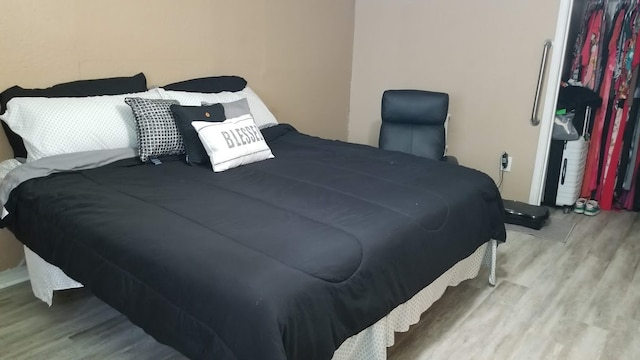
(234, 109)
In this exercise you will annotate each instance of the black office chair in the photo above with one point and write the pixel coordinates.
(413, 121)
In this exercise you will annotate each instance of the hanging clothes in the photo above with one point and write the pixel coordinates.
(590, 180)
(627, 61)
(630, 59)
(586, 50)
(630, 151)
(606, 59)
(636, 199)
(632, 201)
(591, 50)
(626, 157)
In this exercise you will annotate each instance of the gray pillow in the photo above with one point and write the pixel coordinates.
(234, 109)
(158, 134)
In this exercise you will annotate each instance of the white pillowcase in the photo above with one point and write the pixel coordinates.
(233, 142)
(261, 114)
(52, 126)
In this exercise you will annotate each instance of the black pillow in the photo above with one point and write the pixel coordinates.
(80, 88)
(212, 84)
(183, 116)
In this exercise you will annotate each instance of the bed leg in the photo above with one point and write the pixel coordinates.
(494, 250)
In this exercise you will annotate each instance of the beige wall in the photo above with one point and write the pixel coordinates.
(295, 54)
(485, 54)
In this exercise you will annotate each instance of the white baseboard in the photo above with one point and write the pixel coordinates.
(13, 276)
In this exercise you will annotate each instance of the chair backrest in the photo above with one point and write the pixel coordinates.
(413, 121)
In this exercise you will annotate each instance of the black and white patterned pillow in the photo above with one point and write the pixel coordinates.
(158, 134)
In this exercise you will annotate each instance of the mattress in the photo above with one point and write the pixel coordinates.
(297, 253)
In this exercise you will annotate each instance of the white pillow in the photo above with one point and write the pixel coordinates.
(261, 114)
(233, 142)
(52, 126)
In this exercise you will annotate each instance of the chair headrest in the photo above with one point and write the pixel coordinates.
(415, 106)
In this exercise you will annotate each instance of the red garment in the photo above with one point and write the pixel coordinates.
(613, 148)
(628, 202)
(590, 179)
(590, 50)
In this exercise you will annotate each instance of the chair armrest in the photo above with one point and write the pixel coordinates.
(450, 159)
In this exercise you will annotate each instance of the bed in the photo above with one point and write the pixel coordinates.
(318, 252)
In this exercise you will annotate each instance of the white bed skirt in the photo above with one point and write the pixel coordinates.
(370, 344)
(45, 278)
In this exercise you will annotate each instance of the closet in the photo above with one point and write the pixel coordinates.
(594, 152)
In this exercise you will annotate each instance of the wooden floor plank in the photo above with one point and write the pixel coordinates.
(612, 289)
(582, 341)
(623, 340)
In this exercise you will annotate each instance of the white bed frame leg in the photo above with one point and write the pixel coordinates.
(493, 245)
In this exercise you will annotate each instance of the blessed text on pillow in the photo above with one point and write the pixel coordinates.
(232, 143)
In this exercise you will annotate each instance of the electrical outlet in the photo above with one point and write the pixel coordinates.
(505, 161)
(509, 162)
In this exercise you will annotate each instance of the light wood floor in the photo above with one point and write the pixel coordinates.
(579, 300)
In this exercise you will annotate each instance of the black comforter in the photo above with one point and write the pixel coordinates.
(281, 259)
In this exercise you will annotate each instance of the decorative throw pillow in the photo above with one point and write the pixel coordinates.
(184, 115)
(53, 126)
(158, 134)
(233, 142)
(234, 109)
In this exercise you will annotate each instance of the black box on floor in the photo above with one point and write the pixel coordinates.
(523, 214)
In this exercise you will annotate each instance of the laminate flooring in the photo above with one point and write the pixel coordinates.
(553, 300)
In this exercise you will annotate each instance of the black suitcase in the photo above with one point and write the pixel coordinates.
(523, 214)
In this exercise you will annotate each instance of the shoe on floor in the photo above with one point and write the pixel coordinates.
(592, 208)
(580, 205)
